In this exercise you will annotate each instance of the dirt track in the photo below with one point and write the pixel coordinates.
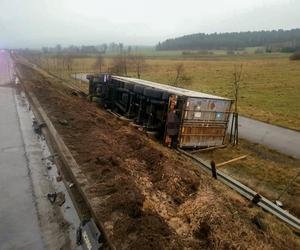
(146, 195)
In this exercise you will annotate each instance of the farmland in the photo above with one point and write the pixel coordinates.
(270, 88)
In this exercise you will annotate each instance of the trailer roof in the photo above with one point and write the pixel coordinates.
(169, 88)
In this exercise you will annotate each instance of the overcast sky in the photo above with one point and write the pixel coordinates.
(36, 23)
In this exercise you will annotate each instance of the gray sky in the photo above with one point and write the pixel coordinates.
(34, 23)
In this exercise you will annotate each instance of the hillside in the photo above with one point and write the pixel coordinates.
(288, 39)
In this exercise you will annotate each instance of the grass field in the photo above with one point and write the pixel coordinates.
(153, 53)
(270, 90)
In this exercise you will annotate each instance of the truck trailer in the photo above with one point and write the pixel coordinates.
(179, 117)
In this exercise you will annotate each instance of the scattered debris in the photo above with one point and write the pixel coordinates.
(37, 127)
(207, 149)
(52, 197)
(63, 122)
(56, 198)
(50, 157)
(60, 199)
(232, 160)
(79, 236)
(58, 178)
(258, 221)
(48, 164)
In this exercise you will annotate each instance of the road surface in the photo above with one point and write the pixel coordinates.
(283, 140)
(19, 226)
(27, 219)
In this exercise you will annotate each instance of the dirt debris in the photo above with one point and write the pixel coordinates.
(146, 195)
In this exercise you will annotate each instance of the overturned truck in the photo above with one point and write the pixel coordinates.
(180, 117)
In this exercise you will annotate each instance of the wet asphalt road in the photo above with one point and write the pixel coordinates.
(28, 220)
(283, 140)
(19, 225)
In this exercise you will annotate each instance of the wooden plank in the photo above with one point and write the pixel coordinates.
(232, 160)
(208, 149)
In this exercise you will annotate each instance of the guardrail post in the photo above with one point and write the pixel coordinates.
(256, 199)
(213, 169)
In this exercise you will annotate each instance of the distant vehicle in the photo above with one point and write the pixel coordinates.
(180, 117)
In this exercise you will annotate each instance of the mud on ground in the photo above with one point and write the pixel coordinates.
(146, 195)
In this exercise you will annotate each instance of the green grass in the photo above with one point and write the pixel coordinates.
(151, 52)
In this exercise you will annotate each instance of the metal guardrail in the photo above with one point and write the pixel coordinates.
(248, 193)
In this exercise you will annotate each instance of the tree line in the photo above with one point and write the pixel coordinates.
(62, 61)
(285, 40)
(104, 48)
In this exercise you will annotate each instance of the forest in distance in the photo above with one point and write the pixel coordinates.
(275, 40)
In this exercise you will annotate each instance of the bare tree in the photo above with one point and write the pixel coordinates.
(59, 61)
(237, 78)
(47, 63)
(181, 77)
(138, 62)
(68, 62)
(99, 62)
(119, 64)
(121, 46)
